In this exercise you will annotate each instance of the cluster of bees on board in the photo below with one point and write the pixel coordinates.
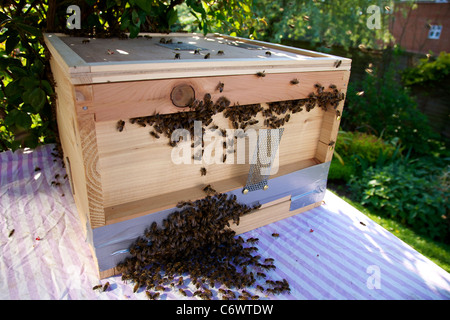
(194, 252)
(194, 246)
(275, 115)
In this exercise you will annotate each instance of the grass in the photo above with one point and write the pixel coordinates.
(437, 252)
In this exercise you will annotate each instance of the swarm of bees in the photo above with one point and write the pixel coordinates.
(323, 98)
(195, 245)
(276, 115)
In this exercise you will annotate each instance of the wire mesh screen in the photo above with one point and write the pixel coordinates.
(263, 158)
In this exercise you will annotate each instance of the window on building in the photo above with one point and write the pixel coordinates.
(435, 32)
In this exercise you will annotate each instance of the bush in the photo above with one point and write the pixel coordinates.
(428, 72)
(415, 193)
(356, 151)
(381, 105)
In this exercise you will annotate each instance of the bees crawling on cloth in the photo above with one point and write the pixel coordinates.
(194, 247)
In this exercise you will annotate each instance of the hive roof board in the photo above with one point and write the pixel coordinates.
(99, 60)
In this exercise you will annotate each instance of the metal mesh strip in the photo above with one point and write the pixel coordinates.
(262, 161)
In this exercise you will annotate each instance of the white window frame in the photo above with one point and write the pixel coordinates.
(435, 31)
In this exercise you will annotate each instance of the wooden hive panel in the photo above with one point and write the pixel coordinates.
(129, 175)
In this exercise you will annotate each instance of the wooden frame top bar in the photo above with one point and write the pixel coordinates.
(114, 60)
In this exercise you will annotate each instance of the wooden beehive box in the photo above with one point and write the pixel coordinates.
(122, 179)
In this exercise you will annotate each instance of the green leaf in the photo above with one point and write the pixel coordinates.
(29, 29)
(47, 87)
(36, 98)
(28, 82)
(134, 30)
(13, 89)
(145, 5)
(135, 18)
(172, 17)
(10, 118)
(23, 120)
(11, 44)
(37, 67)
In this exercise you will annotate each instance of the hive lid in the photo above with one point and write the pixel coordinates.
(161, 56)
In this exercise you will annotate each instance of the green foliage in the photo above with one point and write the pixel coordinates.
(27, 96)
(427, 71)
(233, 17)
(381, 105)
(413, 192)
(357, 151)
(337, 22)
(26, 92)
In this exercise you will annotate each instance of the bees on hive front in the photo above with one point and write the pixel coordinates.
(120, 125)
(261, 74)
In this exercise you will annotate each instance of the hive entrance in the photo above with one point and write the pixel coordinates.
(263, 159)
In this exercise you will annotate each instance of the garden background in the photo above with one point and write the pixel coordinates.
(391, 160)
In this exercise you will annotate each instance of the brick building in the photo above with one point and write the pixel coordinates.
(425, 28)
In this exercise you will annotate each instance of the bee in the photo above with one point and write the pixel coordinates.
(270, 282)
(96, 287)
(172, 143)
(260, 288)
(332, 86)
(106, 286)
(260, 275)
(268, 53)
(269, 260)
(177, 56)
(197, 51)
(203, 171)
(337, 63)
(152, 296)
(220, 53)
(287, 118)
(162, 40)
(261, 74)
(37, 169)
(160, 288)
(294, 81)
(359, 222)
(224, 158)
(120, 125)
(207, 97)
(136, 287)
(85, 41)
(220, 86)
(154, 134)
(275, 235)
(11, 233)
(207, 56)
(208, 189)
(255, 297)
(180, 281)
(252, 240)
(182, 292)
(331, 143)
